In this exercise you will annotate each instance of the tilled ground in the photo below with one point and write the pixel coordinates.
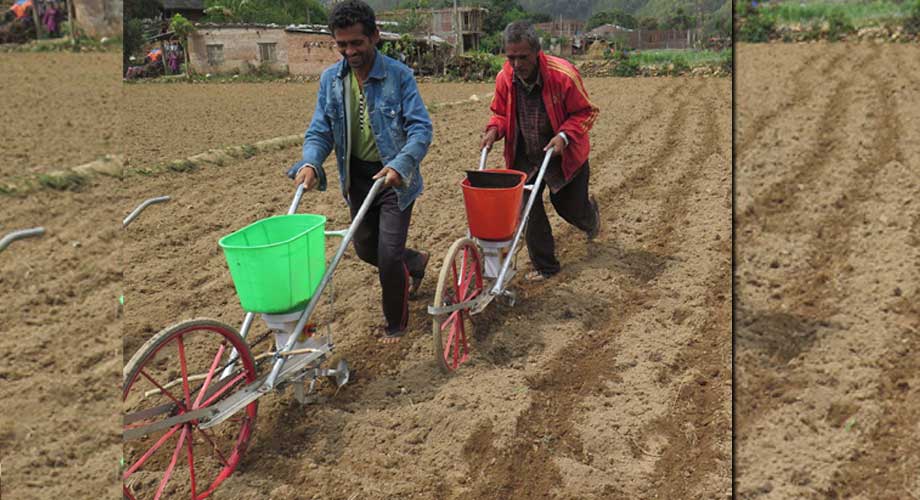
(172, 121)
(59, 110)
(60, 339)
(612, 380)
(827, 366)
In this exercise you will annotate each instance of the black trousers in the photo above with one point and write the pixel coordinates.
(380, 240)
(573, 205)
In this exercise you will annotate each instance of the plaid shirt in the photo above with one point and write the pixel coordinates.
(534, 133)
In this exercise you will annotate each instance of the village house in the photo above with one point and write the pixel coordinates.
(296, 49)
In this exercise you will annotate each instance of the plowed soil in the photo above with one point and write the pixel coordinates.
(828, 246)
(172, 121)
(59, 110)
(612, 380)
(60, 329)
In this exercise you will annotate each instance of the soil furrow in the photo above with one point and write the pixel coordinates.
(812, 293)
(800, 93)
(782, 197)
(890, 441)
(525, 468)
(690, 456)
(630, 129)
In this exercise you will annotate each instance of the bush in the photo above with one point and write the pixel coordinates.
(627, 67)
(912, 23)
(726, 60)
(838, 25)
(754, 25)
(679, 67)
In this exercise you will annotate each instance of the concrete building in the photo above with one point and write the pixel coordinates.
(298, 49)
(99, 18)
(467, 22)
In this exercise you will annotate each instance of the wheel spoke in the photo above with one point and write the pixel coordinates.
(224, 389)
(172, 464)
(151, 451)
(184, 372)
(462, 343)
(207, 379)
(455, 333)
(191, 465)
(214, 447)
(455, 281)
(162, 389)
(450, 337)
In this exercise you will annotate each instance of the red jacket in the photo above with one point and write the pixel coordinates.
(567, 105)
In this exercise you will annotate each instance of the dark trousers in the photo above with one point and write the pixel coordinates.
(572, 204)
(380, 240)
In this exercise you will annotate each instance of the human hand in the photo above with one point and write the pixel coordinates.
(392, 177)
(488, 138)
(306, 176)
(557, 144)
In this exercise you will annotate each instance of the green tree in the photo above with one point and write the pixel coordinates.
(266, 11)
(141, 9)
(132, 40)
(617, 17)
(680, 20)
(648, 23)
(182, 28)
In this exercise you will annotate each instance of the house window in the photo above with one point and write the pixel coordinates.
(215, 54)
(267, 52)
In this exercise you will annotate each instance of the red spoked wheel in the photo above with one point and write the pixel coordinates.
(176, 372)
(460, 280)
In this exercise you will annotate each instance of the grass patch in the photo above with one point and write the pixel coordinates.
(671, 61)
(83, 44)
(66, 181)
(248, 150)
(860, 14)
(686, 58)
(761, 21)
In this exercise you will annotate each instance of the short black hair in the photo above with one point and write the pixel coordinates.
(350, 13)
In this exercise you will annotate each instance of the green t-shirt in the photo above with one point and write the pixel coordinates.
(363, 144)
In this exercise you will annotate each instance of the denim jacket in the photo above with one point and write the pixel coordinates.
(399, 120)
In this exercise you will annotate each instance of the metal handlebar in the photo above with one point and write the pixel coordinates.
(535, 190)
(20, 234)
(140, 208)
(297, 196)
(314, 301)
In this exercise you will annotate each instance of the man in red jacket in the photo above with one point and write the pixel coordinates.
(540, 103)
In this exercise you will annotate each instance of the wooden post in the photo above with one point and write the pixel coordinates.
(39, 32)
(72, 22)
(163, 58)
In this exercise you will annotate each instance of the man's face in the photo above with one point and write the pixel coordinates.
(523, 59)
(356, 47)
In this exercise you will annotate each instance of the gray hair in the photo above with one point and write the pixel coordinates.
(522, 31)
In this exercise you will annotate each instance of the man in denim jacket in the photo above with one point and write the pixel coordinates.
(370, 111)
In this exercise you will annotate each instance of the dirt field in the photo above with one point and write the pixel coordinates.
(172, 121)
(828, 245)
(612, 380)
(60, 366)
(59, 110)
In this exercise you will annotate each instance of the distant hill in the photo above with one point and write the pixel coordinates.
(582, 9)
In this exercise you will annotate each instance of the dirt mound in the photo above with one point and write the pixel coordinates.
(827, 271)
